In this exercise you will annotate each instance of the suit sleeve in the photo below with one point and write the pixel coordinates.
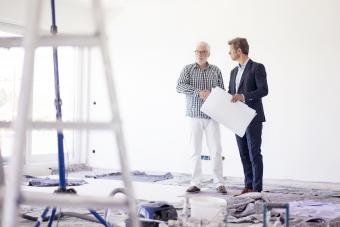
(183, 84)
(230, 81)
(261, 84)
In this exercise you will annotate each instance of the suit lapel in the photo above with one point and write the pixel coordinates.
(244, 74)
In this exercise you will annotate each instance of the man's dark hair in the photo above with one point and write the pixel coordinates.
(241, 43)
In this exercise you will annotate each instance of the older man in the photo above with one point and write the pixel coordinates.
(196, 81)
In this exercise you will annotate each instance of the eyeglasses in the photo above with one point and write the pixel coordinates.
(201, 51)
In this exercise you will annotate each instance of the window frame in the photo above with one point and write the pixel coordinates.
(39, 163)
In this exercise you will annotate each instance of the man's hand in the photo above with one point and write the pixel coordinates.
(204, 94)
(237, 97)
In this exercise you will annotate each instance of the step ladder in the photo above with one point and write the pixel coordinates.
(2, 180)
(11, 194)
(2, 173)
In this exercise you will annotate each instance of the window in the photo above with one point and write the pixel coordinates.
(42, 144)
(10, 70)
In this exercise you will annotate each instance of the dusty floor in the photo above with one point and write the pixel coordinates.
(173, 191)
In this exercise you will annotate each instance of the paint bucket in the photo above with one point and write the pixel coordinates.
(208, 208)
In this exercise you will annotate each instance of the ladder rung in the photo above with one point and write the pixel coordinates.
(71, 125)
(5, 124)
(63, 125)
(54, 40)
(69, 200)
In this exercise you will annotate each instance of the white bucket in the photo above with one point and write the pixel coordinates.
(209, 208)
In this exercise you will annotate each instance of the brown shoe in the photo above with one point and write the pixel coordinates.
(193, 189)
(246, 190)
(221, 189)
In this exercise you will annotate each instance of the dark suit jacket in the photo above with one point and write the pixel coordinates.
(253, 86)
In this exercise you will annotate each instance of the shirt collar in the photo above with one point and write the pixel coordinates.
(243, 66)
(198, 67)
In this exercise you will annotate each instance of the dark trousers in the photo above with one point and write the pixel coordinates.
(250, 151)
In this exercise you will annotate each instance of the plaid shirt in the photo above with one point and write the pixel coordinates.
(192, 80)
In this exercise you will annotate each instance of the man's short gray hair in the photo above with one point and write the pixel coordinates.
(205, 44)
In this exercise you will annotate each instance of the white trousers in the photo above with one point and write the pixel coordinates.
(211, 130)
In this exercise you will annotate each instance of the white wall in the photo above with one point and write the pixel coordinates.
(298, 41)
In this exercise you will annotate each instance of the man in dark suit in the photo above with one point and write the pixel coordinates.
(248, 84)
